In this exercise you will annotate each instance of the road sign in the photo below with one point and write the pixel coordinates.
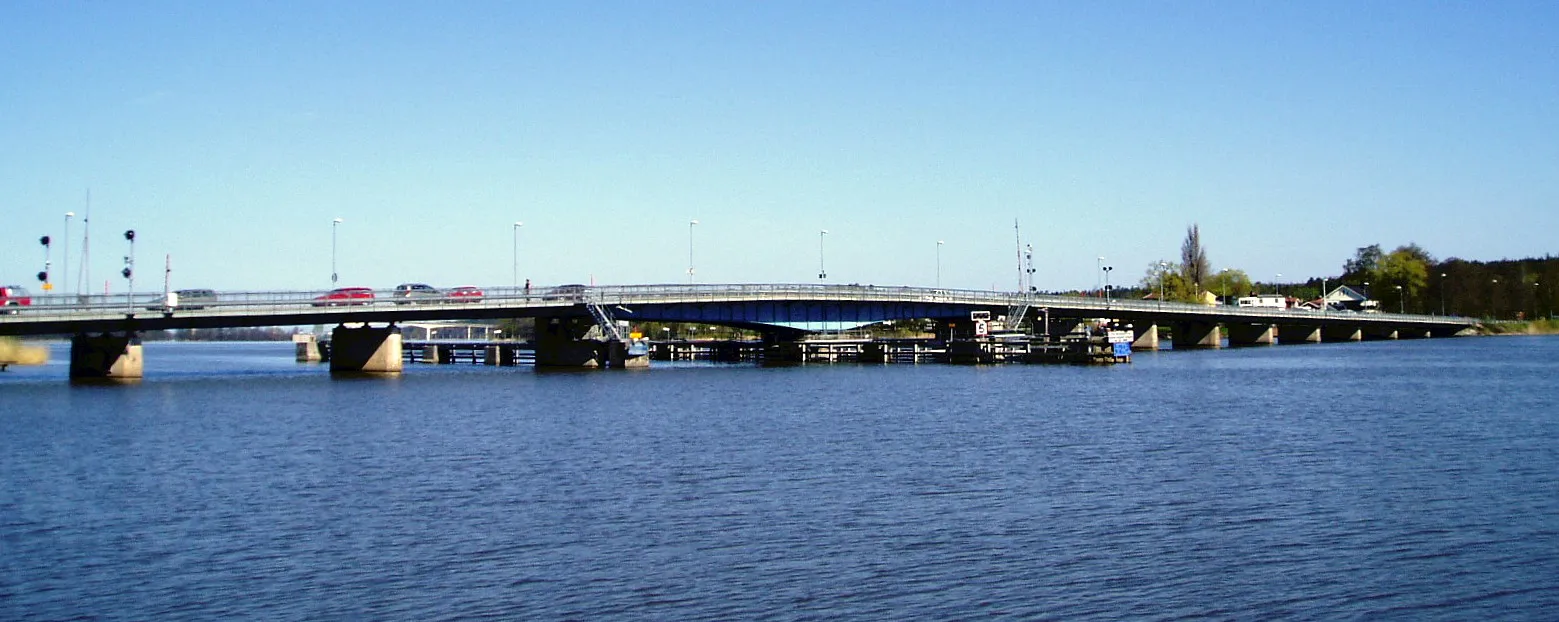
(982, 328)
(979, 315)
(1121, 336)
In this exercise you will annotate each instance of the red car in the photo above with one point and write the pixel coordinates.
(344, 296)
(12, 296)
(465, 294)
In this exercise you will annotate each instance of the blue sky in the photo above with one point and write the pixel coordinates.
(230, 134)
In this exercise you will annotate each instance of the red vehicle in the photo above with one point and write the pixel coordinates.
(345, 296)
(12, 296)
(465, 294)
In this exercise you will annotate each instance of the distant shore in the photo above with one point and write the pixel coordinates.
(1534, 327)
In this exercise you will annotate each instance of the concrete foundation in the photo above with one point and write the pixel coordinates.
(107, 356)
(1252, 334)
(1289, 334)
(433, 355)
(1380, 334)
(1145, 337)
(366, 349)
(561, 343)
(308, 348)
(1190, 335)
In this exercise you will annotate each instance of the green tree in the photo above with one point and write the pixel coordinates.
(1193, 258)
(1363, 265)
(1230, 283)
(1403, 274)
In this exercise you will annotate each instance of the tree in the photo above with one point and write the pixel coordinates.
(1363, 265)
(1406, 271)
(1230, 283)
(1193, 259)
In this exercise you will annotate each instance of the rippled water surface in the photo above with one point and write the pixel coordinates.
(1384, 480)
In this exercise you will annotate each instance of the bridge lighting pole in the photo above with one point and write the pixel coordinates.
(821, 272)
(1401, 300)
(1277, 284)
(1162, 268)
(1442, 293)
(690, 225)
(1494, 296)
(333, 276)
(517, 225)
(939, 264)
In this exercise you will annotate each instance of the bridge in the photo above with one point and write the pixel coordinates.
(580, 326)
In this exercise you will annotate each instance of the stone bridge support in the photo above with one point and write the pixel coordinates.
(577, 342)
(1289, 334)
(1341, 333)
(1144, 336)
(1190, 335)
(107, 356)
(1378, 333)
(366, 349)
(308, 348)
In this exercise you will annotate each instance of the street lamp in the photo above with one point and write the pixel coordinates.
(65, 255)
(1442, 293)
(517, 225)
(1401, 300)
(939, 264)
(1494, 295)
(333, 276)
(821, 273)
(1162, 268)
(1107, 270)
(1277, 284)
(1223, 285)
(690, 225)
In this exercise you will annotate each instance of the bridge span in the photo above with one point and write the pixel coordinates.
(102, 325)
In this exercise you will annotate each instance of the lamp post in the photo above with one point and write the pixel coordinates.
(1162, 268)
(1325, 306)
(821, 273)
(1107, 270)
(1442, 293)
(333, 275)
(1224, 285)
(690, 224)
(1277, 284)
(939, 264)
(1401, 300)
(65, 256)
(516, 229)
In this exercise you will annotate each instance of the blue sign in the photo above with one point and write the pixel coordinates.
(1122, 350)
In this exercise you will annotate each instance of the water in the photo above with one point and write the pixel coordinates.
(1385, 480)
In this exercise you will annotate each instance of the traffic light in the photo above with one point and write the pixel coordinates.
(44, 240)
(43, 276)
(125, 272)
(130, 235)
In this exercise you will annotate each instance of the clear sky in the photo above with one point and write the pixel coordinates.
(229, 135)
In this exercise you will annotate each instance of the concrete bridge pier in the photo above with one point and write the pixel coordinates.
(107, 356)
(1189, 335)
(1252, 334)
(1375, 333)
(308, 348)
(366, 349)
(1342, 333)
(562, 342)
(1289, 334)
(1145, 336)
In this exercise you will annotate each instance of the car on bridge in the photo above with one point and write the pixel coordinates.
(408, 293)
(345, 296)
(466, 293)
(573, 291)
(12, 296)
(192, 299)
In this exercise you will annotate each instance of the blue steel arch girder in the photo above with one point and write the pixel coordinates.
(798, 311)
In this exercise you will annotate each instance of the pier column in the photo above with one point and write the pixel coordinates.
(618, 357)
(308, 348)
(433, 355)
(874, 352)
(1252, 335)
(1342, 333)
(1145, 337)
(560, 342)
(366, 349)
(107, 356)
(1375, 333)
(1298, 333)
(1190, 335)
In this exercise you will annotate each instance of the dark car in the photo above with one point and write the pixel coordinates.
(12, 296)
(345, 296)
(573, 291)
(407, 293)
(465, 293)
